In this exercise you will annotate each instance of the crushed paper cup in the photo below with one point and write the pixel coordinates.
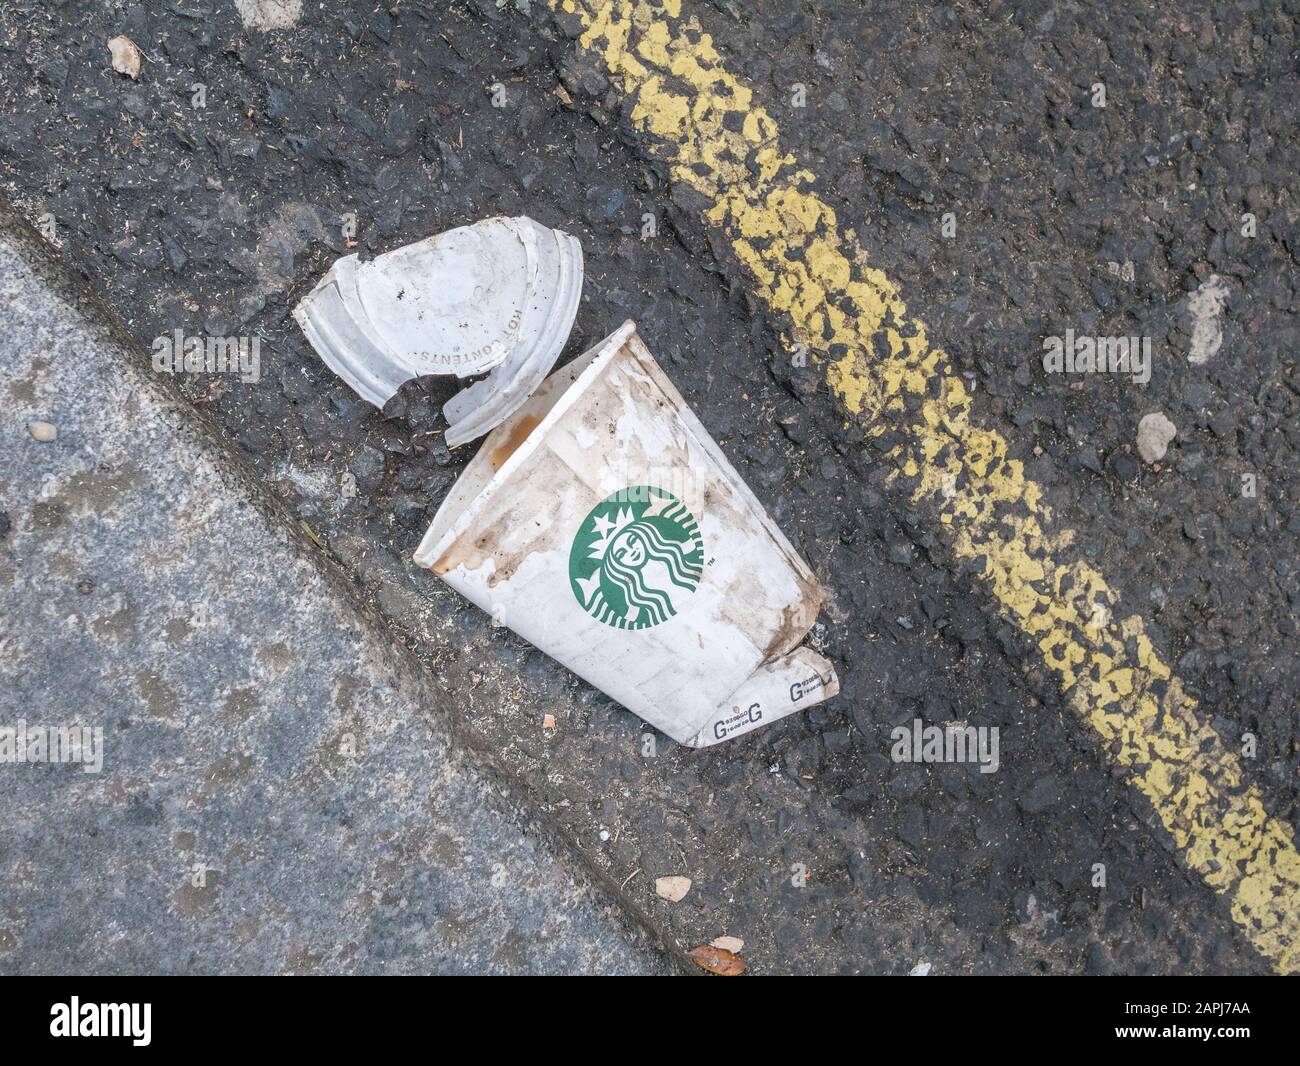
(496, 297)
(604, 525)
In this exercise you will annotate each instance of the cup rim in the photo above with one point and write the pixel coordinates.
(440, 536)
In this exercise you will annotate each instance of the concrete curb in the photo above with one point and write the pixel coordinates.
(278, 790)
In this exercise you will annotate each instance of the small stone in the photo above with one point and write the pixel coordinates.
(43, 431)
(126, 56)
(1204, 307)
(277, 15)
(1155, 431)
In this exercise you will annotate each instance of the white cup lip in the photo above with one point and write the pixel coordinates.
(382, 316)
(440, 537)
(370, 362)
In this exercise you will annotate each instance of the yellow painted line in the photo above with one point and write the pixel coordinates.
(719, 140)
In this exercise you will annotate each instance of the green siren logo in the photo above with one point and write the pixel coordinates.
(636, 556)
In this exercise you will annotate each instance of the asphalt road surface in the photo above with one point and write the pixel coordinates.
(967, 180)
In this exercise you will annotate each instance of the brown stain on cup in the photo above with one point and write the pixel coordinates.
(519, 432)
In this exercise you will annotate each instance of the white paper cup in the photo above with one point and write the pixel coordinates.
(604, 525)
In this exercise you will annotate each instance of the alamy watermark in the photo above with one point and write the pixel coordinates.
(22, 743)
(1083, 354)
(951, 742)
(180, 354)
(131, 1021)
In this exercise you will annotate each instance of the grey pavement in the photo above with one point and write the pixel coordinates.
(279, 791)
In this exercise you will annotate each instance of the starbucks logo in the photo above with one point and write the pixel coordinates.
(636, 557)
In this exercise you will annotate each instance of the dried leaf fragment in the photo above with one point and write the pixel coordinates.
(672, 888)
(728, 943)
(126, 56)
(717, 960)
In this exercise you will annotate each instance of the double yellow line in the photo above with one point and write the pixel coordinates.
(723, 144)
